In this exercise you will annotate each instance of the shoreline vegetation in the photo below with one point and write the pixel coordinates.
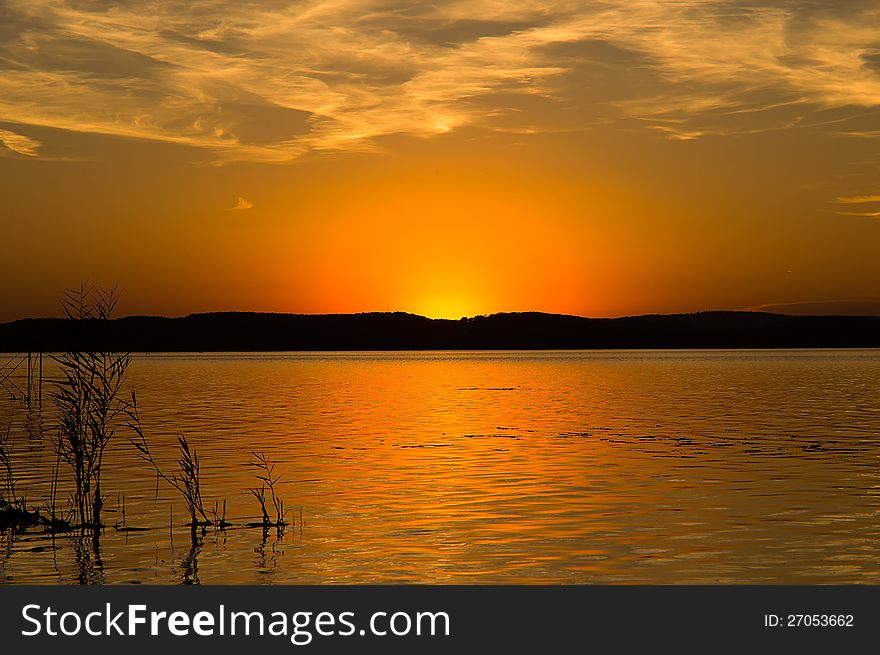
(249, 331)
(90, 411)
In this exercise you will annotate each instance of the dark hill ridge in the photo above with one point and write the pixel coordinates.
(247, 331)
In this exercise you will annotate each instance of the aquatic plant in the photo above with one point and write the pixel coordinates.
(14, 511)
(266, 475)
(219, 515)
(56, 521)
(13, 508)
(8, 494)
(87, 396)
(186, 480)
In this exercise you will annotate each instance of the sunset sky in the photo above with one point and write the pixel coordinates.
(447, 158)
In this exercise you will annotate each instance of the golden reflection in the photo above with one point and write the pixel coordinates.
(504, 467)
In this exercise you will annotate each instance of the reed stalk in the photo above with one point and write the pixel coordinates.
(186, 480)
(87, 397)
(268, 480)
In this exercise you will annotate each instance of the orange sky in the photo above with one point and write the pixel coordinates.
(447, 159)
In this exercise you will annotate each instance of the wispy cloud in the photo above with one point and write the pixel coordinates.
(19, 143)
(851, 200)
(272, 80)
(242, 203)
(868, 199)
(864, 134)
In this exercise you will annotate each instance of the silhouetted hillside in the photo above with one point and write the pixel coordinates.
(243, 331)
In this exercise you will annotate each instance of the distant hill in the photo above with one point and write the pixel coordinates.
(243, 331)
(825, 308)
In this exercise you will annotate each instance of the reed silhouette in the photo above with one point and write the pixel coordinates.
(186, 480)
(15, 515)
(87, 397)
(13, 507)
(218, 515)
(268, 480)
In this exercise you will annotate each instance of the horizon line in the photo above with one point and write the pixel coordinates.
(462, 318)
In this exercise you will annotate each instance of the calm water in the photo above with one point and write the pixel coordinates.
(571, 467)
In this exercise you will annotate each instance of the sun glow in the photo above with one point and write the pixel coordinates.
(448, 305)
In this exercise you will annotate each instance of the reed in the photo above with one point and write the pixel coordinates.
(186, 480)
(57, 521)
(8, 495)
(268, 480)
(218, 514)
(14, 512)
(87, 397)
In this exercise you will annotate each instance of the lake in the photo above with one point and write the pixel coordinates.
(487, 467)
